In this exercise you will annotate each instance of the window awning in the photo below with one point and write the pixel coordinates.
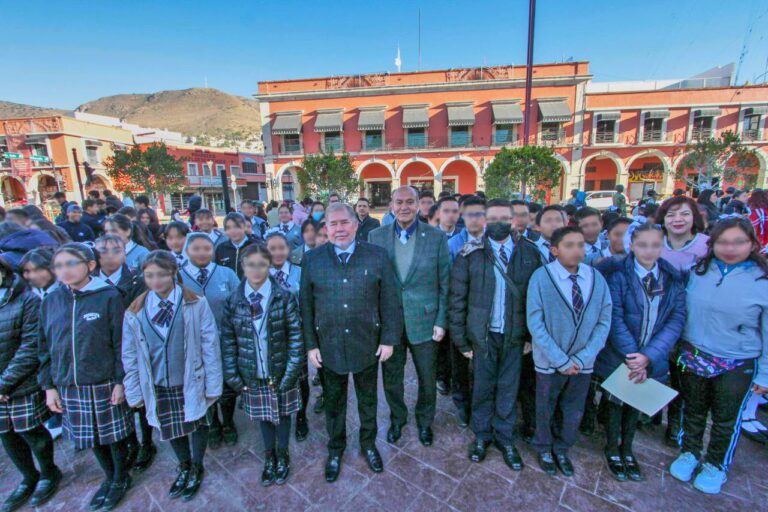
(760, 110)
(461, 115)
(656, 114)
(34, 139)
(92, 142)
(415, 117)
(706, 112)
(288, 123)
(554, 111)
(609, 116)
(507, 113)
(329, 121)
(371, 120)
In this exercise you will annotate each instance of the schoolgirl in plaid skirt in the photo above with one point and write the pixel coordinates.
(172, 361)
(262, 351)
(81, 369)
(22, 403)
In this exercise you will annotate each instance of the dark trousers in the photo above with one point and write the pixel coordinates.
(620, 428)
(443, 363)
(113, 459)
(725, 396)
(461, 381)
(527, 394)
(496, 380)
(20, 446)
(393, 372)
(335, 393)
(563, 394)
(674, 408)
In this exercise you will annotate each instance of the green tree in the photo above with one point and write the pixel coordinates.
(152, 170)
(520, 169)
(724, 157)
(325, 173)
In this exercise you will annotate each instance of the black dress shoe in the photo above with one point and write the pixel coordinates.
(283, 468)
(547, 463)
(373, 459)
(511, 456)
(394, 432)
(19, 496)
(193, 484)
(46, 487)
(564, 464)
(145, 457)
(117, 492)
(426, 436)
(442, 387)
(229, 434)
(462, 416)
(214, 437)
(98, 499)
(181, 481)
(632, 467)
(319, 404)
(268, 475)
(302, 427)
(616, 467)
(332, 468)
(478, 450)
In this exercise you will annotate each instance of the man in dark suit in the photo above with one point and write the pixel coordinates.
(421, 259)
(351, 320)
(367, 223)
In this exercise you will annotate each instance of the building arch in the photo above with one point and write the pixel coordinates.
(411, 160)
(374, 160)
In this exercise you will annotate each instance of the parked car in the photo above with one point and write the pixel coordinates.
(600, 199)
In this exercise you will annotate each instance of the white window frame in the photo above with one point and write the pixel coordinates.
(450, 136)
(234, 170)
(190, 166)
(561, 129)
(760, 126)
(341, 138)
(641, 131)
(383, 140)
(691, 116)
(98, 159)
(282, 144)
(219, 168)
(616, 131)
(515, 135)
(426, 139)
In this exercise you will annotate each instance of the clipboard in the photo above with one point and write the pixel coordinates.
(649, 397)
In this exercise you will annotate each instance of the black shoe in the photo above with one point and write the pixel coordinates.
(478, 450)
(98, 499)
(394, 433)
(462, 416)
(302, 427)
(145, 457)
(283, 466)
(319, 404)
(268, 475)
(633, 468)
(547, 463)
(373, 459)
(19, 496)
(616, 467)
(46, 488)
(511, 456)
(442, 387)
(332, 468)
(214, 437)
(229, 434)
(181, 481)
(117, 492)
(426, 436)
(564, 464)
(193, 484)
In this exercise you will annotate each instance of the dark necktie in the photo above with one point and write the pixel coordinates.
(576, 297)
(503, 256)
(256, 310)
(109, 282)
(343, 257)
(281, 278)
(285, 228)
(179, 258)
(550, 257)
(165, 313)
(652, 285)
(202, 276)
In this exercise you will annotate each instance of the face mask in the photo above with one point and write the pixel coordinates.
(318, 216)
(498, 231)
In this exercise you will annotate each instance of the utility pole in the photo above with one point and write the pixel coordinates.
(528, 81)
(77, 173)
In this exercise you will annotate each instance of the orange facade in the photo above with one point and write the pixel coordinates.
(441, 129)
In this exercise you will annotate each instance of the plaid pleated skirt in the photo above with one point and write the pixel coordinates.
(265, 403)
(170, 414)
(90, 417)
(24, 413)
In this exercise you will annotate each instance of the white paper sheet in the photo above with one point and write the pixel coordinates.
(649, 397)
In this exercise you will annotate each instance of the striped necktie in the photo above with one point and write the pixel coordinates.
(202, 276)
(165, 313)
(576, 298)
(503, 256)
(256, 310)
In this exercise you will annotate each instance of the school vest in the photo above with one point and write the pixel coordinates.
(166, 354)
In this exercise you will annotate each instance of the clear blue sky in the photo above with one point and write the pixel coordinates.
(61, 54)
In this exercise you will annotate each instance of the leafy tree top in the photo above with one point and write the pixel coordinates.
(325, 173)
(152, 170)
(724, 157)
(526, 168)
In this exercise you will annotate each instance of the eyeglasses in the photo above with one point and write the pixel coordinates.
(67, 264)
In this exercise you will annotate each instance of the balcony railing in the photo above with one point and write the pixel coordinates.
(553, 137)
(702, 133)
(654, 136)
(605, 137)
(204, 181)
(337, 147)
(750, 135)
(292, 148)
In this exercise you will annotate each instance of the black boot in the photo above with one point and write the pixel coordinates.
(268, 475)
(145, 456)
(194, 482)
(283, 466)
(46, 487)
(117, 492)
(181, 481)
(98, 499)
(19, 496)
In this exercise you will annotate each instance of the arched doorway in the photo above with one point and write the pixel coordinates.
(13, 192)
(288, 183)
(600, 173)
(459, 176)
(418, 174)
(376, 184)
(97, 182)
(645, 173)
(46, 187)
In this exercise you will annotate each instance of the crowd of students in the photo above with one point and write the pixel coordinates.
(114, 326)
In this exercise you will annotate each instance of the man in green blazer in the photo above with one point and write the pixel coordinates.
(420, 256)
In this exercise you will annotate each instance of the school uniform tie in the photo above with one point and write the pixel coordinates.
(576, 298)
(281, 278)
(550, 257)
(343, 257)
(109, 282)
(652, 286)
(165, 314)
(179, 258)
(285, 228)
(202, 277)
(256, 310)
(503, 256)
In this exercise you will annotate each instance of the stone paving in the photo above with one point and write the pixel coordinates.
(415, 478)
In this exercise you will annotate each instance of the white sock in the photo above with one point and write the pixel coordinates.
(750, 426)
(750, 411)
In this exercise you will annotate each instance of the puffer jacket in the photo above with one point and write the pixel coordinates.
(16, 245)
(19, 313)
(238, 340)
